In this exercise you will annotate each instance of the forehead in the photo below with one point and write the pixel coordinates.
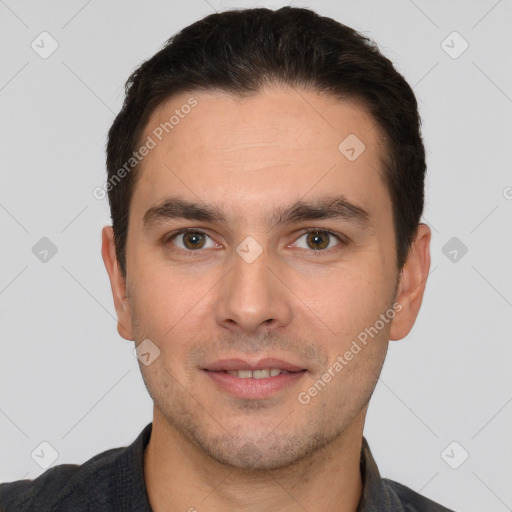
(276, 143)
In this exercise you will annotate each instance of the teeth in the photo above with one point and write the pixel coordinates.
(260, 374)
(256, 374)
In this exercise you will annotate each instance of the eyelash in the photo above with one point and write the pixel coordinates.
(342, 241)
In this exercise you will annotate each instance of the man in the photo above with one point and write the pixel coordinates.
(266, 180)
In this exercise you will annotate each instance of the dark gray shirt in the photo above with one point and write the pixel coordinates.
(114, 481)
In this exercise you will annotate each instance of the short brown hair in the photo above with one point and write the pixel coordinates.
(240, 51)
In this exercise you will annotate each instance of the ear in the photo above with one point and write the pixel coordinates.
(117, 283)
(412, 282)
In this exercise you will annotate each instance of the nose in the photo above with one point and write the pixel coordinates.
(253, 297)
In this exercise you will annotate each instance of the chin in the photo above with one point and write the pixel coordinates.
(258, 451)
(255, 456)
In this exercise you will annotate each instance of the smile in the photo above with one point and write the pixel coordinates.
(253, 379)
(256, 374)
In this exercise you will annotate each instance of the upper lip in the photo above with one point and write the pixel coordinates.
(261, 364)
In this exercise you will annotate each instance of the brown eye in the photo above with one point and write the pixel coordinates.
(318, 240)
(192, 240)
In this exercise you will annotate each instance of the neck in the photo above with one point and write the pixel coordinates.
(180, 476)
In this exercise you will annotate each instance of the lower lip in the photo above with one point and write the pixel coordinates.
(254, 388)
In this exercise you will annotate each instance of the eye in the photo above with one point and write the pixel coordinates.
(192, 240)
(318, 240)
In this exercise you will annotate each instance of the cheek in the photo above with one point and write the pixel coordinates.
(347, 299)
(162, 288)
(170, 309)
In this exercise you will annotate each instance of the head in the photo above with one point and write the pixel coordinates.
(266, 178)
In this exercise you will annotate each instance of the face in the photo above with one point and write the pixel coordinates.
(259, 254)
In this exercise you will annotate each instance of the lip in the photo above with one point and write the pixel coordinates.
(261, 364)
(253, 388)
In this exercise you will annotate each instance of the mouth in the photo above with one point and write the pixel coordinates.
(257, 374)
(256, 379)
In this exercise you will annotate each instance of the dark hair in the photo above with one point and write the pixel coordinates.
(239, 52)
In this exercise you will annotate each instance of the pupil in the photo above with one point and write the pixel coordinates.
(193, 239)
(316, 238)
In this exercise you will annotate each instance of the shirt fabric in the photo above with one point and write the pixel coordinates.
(113, 481)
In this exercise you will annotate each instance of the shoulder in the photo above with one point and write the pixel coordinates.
(79, 487)
(410, 500)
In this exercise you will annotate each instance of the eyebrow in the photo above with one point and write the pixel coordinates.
(330, 207)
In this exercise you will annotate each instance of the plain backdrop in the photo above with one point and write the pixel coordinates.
(68, 379)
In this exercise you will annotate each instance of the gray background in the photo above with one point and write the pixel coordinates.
(67, 378)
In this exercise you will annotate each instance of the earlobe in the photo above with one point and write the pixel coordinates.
(412, 283)
(117, 284)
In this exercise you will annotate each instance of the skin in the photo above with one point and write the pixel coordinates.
(208, 449)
